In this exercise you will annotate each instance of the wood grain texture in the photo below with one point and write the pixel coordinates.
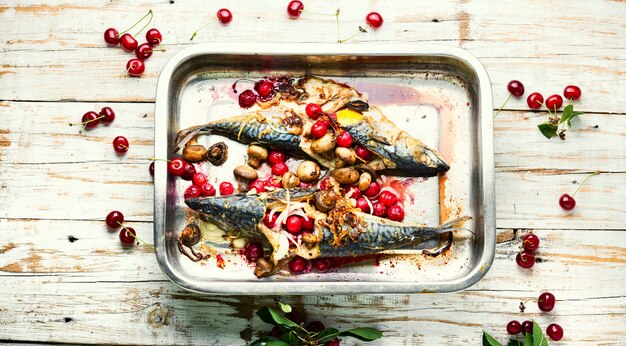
(64, 278)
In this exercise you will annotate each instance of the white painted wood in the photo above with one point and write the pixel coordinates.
(55, 183)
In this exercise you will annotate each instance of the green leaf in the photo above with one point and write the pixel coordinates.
(285, 307)
(514, 342)
(489, 340)
(547, 130)
(528, 340)
(326, 335)
(268, 340)
(271, 316)
(290, 338)
(538, 338)
(363, 334)
(568, 115)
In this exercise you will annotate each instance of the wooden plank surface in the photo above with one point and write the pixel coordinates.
(63, 274)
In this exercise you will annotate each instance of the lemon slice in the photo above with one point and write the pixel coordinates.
(347, 117)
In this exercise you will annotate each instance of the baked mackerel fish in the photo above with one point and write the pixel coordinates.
(339, 230)
(282, 123)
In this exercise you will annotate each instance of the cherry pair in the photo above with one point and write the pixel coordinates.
(128, 235)
(526, 257)
(92, 119)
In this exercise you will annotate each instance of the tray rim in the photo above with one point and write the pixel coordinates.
(485, 136)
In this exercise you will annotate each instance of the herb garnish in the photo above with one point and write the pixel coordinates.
(550, 127)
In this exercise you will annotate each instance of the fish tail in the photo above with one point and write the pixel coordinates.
(452, 225)
(185, 135)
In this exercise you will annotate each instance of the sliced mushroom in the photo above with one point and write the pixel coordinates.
(290, 180)
(217, 153)
(346, 155)
(256, 154)
(308, 171)
(325, 200)
(190, 235)
(346, 176)
(324, 144)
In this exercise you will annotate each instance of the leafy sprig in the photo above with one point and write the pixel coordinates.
(535, 339)
(550, 127)
(295, 334)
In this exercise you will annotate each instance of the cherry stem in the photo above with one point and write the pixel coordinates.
(584, 181)
(139, 21)
(156, 159)
(123, 146)
(319, 13)
(202, 27)
(149, 21)
(338, 34)
(351, 37)
(500, 110)
(88, 121)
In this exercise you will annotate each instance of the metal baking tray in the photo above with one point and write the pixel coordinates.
(439, 94)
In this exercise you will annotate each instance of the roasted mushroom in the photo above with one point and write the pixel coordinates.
(325, 200)
(346, 155)
(217, 153)
(256, 154)
(290, 180)
(364, 181)
(194, 152)
(346, 176)
(308, 171)
(324, 144)
(190, 235)
(263, 267)
(245, 174)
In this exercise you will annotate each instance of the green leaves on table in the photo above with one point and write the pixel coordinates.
(295, 334)
(550, 127)
(535, 339)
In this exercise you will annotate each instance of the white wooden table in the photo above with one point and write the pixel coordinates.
(65, 279)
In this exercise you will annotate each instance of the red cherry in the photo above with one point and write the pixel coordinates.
(207, 190)
(527, 327)
(279, 168)
(344, 139)
(530, 242)
(572, 92)
(313, 110)
(200, 179)
(554, 102)
(127, 236)
(297, 265)
(525, 259)
(129, 44)
(273, 183)
(188, 171)
(333, 342)
(363, 153)
(319, 129)
(264, 88)
(270, 222)
(109, 115)
(276, 332)
(226, 188)
(514, 327)
(379, 210)
(395, 213)
(90, 119)
(362, 204)
(144, 51)
(374, 19)
(322, 265)
(535, 100)
(247, 99)
(567, 202)
(276, 156)
(258, 186)
(253, 251)
(387, 198)
(546, 301)
(110, 37)
(516, 88)
(176, 167)
(295, 8)
(373, 190)
(135, 67)
(294, 224)
(224, 16)
(294, 316)
(153, 37)
(192, 192)
(315, 327)
(120, 144)
(151, 168)
(352, 192)
(114, 219)
(308, 224)
(555, 332)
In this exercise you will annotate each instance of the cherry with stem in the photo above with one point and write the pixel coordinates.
(224, 16)
(129, 231)
(568, 202)
(89, 120)
(515, 88)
